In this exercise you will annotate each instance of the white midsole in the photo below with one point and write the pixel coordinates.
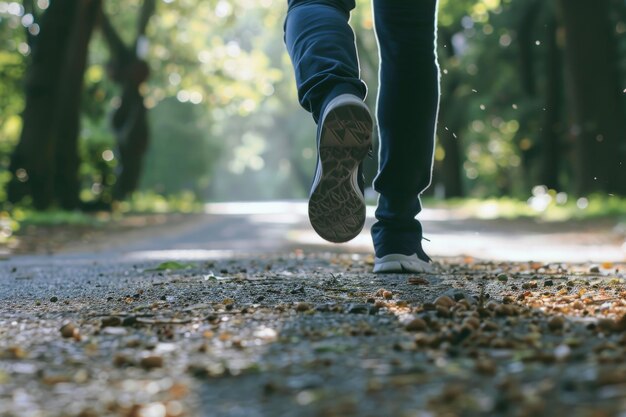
(401, 263)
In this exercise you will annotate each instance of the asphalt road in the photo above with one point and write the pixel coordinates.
(236, 229)
(263, 318)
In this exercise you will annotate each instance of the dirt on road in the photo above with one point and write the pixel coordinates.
(311, 334)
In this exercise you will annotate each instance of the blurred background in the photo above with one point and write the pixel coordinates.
(141, 104)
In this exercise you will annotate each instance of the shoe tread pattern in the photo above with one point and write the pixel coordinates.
(336, 205)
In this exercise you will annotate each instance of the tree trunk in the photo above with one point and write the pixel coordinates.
(67, 182)
(449, 128)
(598, 130)
(33, 160)
(44, 164)
(129, 123)
(550, 144)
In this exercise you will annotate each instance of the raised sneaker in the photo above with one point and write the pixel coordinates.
(336, 203)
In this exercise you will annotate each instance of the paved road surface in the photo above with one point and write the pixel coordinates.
(232, 229)
(269, 320)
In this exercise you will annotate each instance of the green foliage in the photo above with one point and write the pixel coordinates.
(544, 206)
(223, 109)
(171, 266)
(182, 153)
(151, 202)
(57, 218)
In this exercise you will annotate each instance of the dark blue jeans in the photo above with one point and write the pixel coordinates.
(322, 49)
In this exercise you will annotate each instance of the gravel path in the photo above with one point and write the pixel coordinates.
(226, 331)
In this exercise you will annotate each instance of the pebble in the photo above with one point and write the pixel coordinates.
(13, 352)
(503, 277)
(120, 360)
(418, 281)
(458, 295)
(429, 306)
(129, 321)
(444, 301)
(490, 325)
(151, 362)
(302, 307)
(416, 325)
(387, 295)
(114, 331)
(556, 323)
(472, 322)
(111, 321)
(607, 325)
(443, 311)
(485, 366)
(359, 309)
(69, 330)
(54, 299)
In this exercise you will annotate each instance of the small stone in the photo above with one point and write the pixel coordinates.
(443, 311)
(54, 299)
(594, 269)
(578, 305)
(115, 331)
(503, 277)
(500, 343)
(444, 301)
(607, 325)
(503, 310)
(429, 306)
(416, 325)
(13, 352)
(111, 321)
(129, 321)
(151, 362)
(358, 309)
(120, 360)
(485, 366)
(459, 295)
(472, 322)
(490, 326)
(323, 308)
(302, 307)
(556, 323)
(620, 324)
(418, 281)
(548, 283)
(529, 285)
(387, 295)
(69, 330)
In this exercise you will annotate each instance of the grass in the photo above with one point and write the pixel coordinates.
(544, 206)
(11, 221)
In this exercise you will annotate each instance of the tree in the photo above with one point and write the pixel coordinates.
(45, 162)
(594, 89)
(129, 122)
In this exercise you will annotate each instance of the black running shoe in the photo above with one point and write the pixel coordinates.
(336, 203)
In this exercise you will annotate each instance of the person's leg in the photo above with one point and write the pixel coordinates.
(408, 101)
(321, 45)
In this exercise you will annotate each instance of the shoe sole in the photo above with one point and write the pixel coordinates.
(336, 203)
(398, 263)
